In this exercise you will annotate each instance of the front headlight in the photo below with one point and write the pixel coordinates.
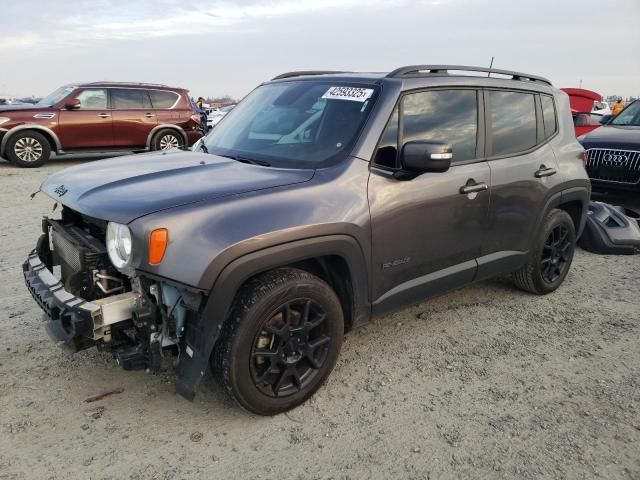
(4, 120)
(119, 244)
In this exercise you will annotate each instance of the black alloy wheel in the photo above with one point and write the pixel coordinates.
(290, 349)
(280, 341)
(551, 255)
(555, 256)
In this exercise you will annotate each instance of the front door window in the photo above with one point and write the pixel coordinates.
(93, 99)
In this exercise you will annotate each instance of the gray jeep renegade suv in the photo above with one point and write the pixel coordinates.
(323, 199)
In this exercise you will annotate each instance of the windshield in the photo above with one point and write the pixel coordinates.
(294, 124)
(629, 116)
(55, 97)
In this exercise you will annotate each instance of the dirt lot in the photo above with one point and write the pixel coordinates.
(485, 382)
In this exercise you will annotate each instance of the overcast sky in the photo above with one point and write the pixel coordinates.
(216, 48)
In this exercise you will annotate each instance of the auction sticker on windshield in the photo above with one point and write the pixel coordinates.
(355, 94)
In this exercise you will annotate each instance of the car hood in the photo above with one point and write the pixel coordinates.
(125, 188)
(19, 106)
(613, 136)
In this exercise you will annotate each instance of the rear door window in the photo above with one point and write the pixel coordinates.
(513, 122)
(129, 99)
(448, 116)
(162, 99)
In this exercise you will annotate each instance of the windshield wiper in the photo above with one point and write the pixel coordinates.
(251, 161)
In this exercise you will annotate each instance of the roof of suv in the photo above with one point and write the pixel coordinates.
(412, 72)
(125, 85)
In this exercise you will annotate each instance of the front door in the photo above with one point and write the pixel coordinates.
(426, 232)
(133, 117)
(520, 131)
(89, 126)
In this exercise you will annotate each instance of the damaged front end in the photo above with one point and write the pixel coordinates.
(87, 302)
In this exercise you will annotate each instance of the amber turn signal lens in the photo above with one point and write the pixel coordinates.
(158, 245)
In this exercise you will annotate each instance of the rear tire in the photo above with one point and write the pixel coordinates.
(280, 342)
(28, 149)
(551, 257)
(167, 139)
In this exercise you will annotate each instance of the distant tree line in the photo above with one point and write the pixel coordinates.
(226, 100)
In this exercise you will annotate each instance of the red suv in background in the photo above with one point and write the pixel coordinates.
(98, 117)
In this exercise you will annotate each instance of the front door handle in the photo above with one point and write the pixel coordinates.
(473, 187)
(104, 115)
(148, 115)
(544, 172)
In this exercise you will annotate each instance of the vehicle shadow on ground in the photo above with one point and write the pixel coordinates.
(65, 160)
(212, 399)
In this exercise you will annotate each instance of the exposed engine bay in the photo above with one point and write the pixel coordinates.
(140, 320)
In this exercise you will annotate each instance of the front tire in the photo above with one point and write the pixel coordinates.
(552, 255)
(28, 149)
(280, 342)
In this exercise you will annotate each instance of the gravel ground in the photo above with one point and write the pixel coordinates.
(485, 382)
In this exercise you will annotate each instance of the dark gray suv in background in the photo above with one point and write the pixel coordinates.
(322, 200)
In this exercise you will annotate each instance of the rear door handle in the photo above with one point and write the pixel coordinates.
(148, 115)
(473, 187)
(544, 172)
(104, 115)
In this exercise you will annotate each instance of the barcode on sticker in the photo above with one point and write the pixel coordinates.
(348, 93)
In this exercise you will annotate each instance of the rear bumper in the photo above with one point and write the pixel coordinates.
(194, 135)
(69, 319)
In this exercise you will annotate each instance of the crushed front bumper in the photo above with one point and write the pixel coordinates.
(72, 321)
(77, 324)
(69, 318)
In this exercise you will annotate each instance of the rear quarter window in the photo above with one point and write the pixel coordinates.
(548, 116)
(161, 99)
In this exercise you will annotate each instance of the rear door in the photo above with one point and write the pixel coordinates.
(426, 232)
(133, 117)
(523, 167)
(90, 125)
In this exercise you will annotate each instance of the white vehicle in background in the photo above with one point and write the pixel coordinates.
(214, 116)
(601, 108)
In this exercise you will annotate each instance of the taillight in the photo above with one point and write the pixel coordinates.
(196, 118)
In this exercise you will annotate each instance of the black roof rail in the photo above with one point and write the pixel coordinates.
(305, 72)
(444, 70)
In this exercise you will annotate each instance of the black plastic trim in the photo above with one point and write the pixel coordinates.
(414, 70)
(204, 335)
(67, 321)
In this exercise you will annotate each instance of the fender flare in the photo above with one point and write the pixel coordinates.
(201, 340)
(30, 126)
(580, 192)
(583, 195)
(170, 126)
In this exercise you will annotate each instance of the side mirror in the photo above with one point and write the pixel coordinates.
(421, 156)
(605, 119)
(72, 104)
